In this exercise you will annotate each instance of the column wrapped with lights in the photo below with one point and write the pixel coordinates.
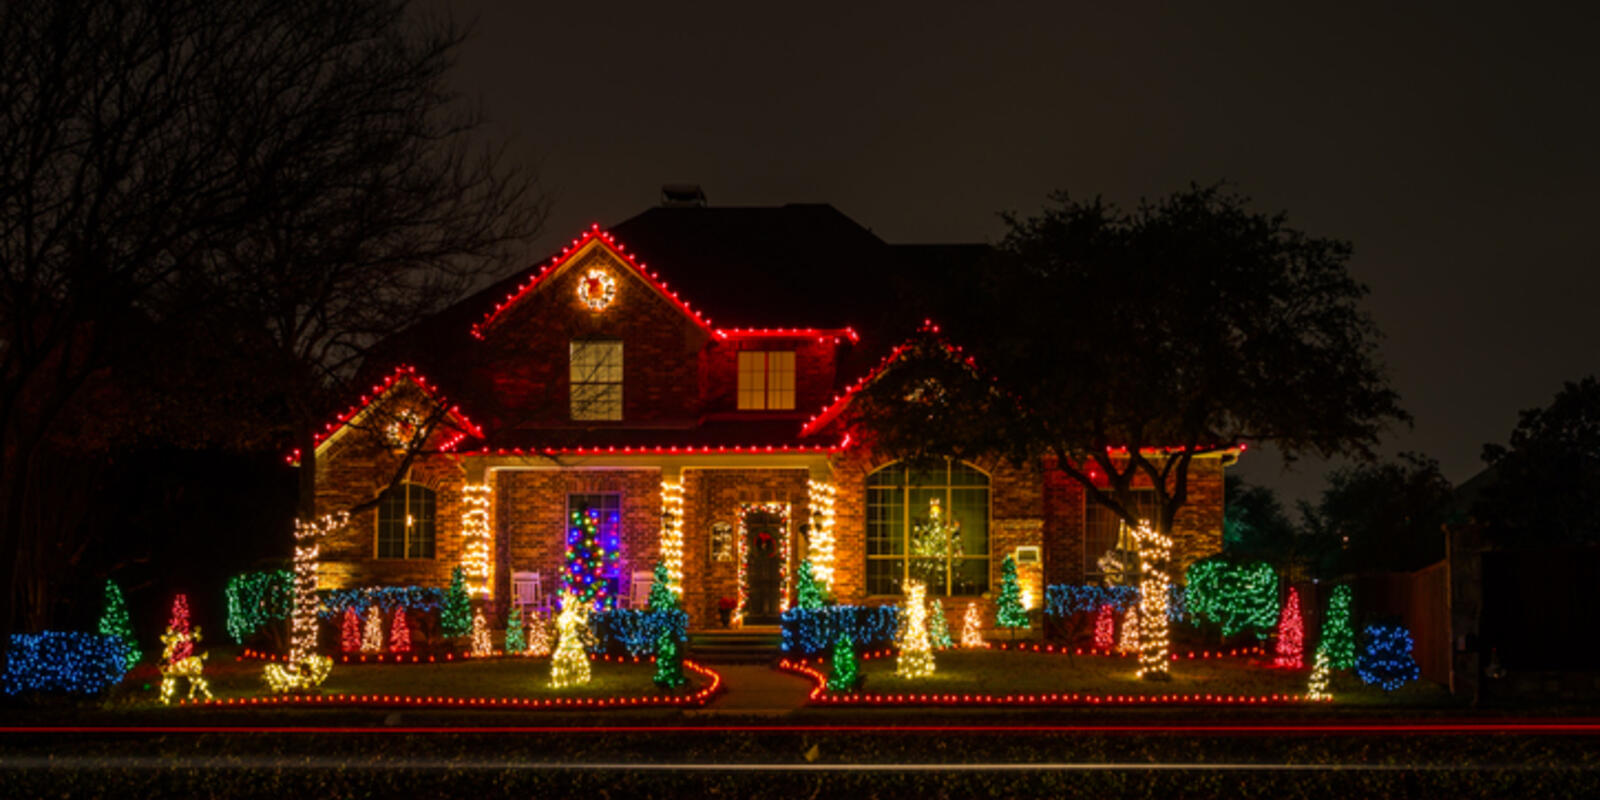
(476, 560)
(1155, 554)
(672, 534)
(821, 496)
(304, 668)
(916, 654)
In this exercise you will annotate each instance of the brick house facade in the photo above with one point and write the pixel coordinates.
(761, 490)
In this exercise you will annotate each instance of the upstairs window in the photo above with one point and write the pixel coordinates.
(596, 379)
(406, 522)
(766, 380)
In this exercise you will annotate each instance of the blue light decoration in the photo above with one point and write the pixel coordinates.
(1387, 661)
(591, 557)
(414, 599)
(1063, 600)
(70, 662)
(634, 631)
(813, 631)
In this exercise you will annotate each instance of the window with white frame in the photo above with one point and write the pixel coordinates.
(406, 522)
(596, 379)
(766, 380)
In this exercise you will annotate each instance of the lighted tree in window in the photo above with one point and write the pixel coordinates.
(932, 540)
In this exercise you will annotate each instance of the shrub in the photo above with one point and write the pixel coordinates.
(813, 631)
(69, 662)
(415, 599)
(256, 599)
(634, 630)
(1236, 596)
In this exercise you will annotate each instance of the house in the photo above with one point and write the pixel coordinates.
(678, 387)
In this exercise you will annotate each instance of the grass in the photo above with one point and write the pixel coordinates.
(999, 672)
(495, 677)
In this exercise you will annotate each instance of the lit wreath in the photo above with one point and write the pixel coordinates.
(597, 289)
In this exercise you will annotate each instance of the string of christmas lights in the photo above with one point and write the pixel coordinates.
(372, 634)
(116, 622)
(782, 512)
(538, 635)
(589, 555)
(400, 632)
(820, 499)
(305, 669)
(916, 655)
(1155, 554)
(350, 631)
(476, 560)
(1338, 638)
(481, 644)
(971, 626)
(1317, 687)
(70, 662)
(455, 615)
(516, 642)
(1009, 611)
(1104, 628)
(1129, 644)
(938, 627)
(846, 668)
(672, 533)
(1387, 661)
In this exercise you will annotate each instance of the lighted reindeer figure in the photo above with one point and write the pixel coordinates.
(191, 666)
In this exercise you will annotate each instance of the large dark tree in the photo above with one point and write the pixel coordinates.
(1124, 344)
(1255, 526)
(264, 188)
(1545, 487)
(1380, 517)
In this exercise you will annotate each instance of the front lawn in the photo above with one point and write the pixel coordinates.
(1009, 673)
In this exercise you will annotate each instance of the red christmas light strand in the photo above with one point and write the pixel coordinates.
(402, 372)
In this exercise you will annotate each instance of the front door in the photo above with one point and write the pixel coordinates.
(763, 567)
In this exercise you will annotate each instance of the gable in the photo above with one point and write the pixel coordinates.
(388, 405)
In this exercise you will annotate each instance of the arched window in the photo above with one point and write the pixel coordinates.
(929, 524)
(405, 522)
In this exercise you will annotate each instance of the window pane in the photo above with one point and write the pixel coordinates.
(884, 574)
(970, 509)
(420, 535)
(928, 475)
(780, 380)
(752, 380)
(962, 474)
(391, 525)
(892, 475)
(598, 401)
(971, 576)
(885, 521)
(930, 571)
(951, 561)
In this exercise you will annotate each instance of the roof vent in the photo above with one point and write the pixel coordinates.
(682, 195)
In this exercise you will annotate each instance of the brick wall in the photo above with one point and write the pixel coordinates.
(813, 368)
(714, 496)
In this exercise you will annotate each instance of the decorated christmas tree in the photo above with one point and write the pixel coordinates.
(1338, 638)
(1291, 634)
(669, 660)
(933, 540)
(115, 622)
(538, 635)
(1130, 631)
(178, 625)
(938, 628)
(350, 630)
(570, 665)
(845, 672)
(1009, 612)
(372, 634)
(481, 644)
(916, 655)
(1387, 661)
(808, 592)
(515, 641)
(971, 626)
(587, 560)
(1317, 689)
(1105, 628)
(400, 632)
(662, 598)
(455, 617)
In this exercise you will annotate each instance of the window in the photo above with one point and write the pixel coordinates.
(766, 380)
(596, 379)
(929, 524)
(609, 507)
(405, 522)
(1103, 531)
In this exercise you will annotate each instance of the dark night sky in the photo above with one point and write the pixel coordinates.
(1455, 147)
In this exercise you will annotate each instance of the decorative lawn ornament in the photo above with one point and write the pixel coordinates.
(481, 644)
(1239, 597)
(1130, 632)
(587, 559)
(845, 668)
(515, 641)
(597, 289)
(809, 594)
(400, 632)
(538, 635)
(372, 635)
(456, 615)
(1291, 634)
(1387, 662)
(1105, 626)
(669, 660)
(1155, 555)
(305, 669)
(971, 626)
(1338, 638)
(1009, 612)
(662, 597)
(350, 631)
(938, 628)
(178, 659)
(570, 666)
(916, 656)
(115, 621)
(1317, 689)
(179, 623)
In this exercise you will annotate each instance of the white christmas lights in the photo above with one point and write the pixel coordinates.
(820, 544)
(916, 656)
(672, 533)
(1155, 552)
(475, 553)
(305, 669)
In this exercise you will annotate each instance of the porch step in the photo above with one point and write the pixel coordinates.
(747, 645)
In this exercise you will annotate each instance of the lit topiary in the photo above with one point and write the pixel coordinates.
(1317, 688)
(809, 593)
(916, 656)
(372, 634)
(1105, 629)
(456, 615)
(846, 669)
(662, 597)
(669, 660)
(1387, 661)
(115, 622)
(1291, 634)
(515, 642)
(400, 632)
(1338, 638)
(938, 627)
(570, 665)
(1009, 612)
(350, 631)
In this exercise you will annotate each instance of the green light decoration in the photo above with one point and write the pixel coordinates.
(1338, 638)
(846, 668)
(455, 617)
(115, 622)
(662, 598)
(809, 593)
(1009, 612)
(515, 643)
(938, 628)
(256, 599)
(669, 660)
(1239, 597)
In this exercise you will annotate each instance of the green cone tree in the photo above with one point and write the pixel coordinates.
(456, 615)
(809, 593)
(669, 660)
(1338, 638)
(1009, 612)
(845, 668)
(115, 622)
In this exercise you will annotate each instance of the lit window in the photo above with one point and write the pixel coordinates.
(1105, 534)
(405, 522)
(596, 379)
(766, 380)
(930, 524)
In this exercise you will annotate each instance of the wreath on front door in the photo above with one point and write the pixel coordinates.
(766, 544)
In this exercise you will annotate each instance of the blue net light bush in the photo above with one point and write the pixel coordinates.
(64, 662)
(813, 631)
(635, 631)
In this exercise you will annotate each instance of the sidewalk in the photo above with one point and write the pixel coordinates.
(757, 690)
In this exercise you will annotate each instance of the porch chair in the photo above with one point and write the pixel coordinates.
(639, 589)
(526, 590)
